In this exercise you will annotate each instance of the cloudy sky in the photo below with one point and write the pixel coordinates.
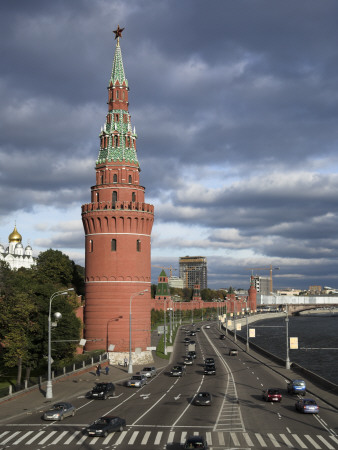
(235, 104)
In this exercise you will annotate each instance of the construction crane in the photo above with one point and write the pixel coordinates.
(170, 268)
(265, 268)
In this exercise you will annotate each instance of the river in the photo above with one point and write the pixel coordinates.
(314, 331)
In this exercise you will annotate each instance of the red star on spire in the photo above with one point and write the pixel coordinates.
(118, 32)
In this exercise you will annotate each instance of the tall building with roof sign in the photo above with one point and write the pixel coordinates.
(118, 225)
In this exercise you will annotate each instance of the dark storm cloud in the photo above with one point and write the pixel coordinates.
(235, 105)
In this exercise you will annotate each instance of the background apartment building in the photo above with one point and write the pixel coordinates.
(193, 270)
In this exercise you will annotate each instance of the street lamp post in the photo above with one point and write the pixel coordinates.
(287, 362)
(130, 366)
(49, 388)
(247, 326)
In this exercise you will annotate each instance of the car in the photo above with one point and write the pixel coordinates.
(188, 361)
(192, 353)
(196, 442)
(177, 371)
(192, 342)
(233, 352)
(186, 341)
(222, 336)
(137, 380)
(209, 369)
(198, 329)
(148, 371)
(307, 406)
(192, 333)
(296, 387)
(207, 326)
(59, 411)
(106, 425)
(102, 391)
(209, 361)
(203, 399)
(272, 395)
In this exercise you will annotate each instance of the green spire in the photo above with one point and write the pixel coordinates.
(162, 286)
(117, 73)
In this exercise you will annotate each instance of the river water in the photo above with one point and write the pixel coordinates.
(314, 331)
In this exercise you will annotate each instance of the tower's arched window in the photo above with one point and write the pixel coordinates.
(97, 196)
(133, 197)
(115, 178)
(113, 245)
(117, 93)
(116, 140)
(114, 198)
(101, 179)
(138, 245)
(90, 246)
(130, 179)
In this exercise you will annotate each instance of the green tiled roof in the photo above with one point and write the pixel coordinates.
(117, 73)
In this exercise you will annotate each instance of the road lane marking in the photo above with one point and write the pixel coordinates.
(286, 441)
(171, 437)
(59, 438)
(120, 438)
(145, 438)
(248, 440)
(273, 440)
(158, 438)
(47, 437)
(9, 438)
(260, 440)
(69, 440)
(34, 438)
(299, 441)
(133, 437)
(309, 438)
(328, 445)
(108, 438)
(235, 439)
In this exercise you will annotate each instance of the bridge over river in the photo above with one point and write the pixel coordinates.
(297, 303)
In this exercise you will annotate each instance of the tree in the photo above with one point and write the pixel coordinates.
(54, 267)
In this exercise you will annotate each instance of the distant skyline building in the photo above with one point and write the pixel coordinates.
(15, 255)
(262, 285)
(193, 270)
(176, 282)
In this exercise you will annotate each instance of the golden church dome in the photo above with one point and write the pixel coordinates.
(15, 236)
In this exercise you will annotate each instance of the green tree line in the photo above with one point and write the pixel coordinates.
(24, 307)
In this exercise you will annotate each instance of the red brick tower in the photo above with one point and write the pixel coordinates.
(117, 226)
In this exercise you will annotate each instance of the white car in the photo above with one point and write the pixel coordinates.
(148, 371)
(137, 381)
(207, 326)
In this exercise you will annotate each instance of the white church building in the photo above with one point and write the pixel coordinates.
(15, 255)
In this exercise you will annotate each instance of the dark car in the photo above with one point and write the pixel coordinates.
(59, 411)
(203, 399)
(307, 405)
(196, 442)
(209, 361)
(177, 371)
(192, 353)
(222, 336)
(233, 352)
(209, 369)
(106, 425)
(102, 391)
(198, 329)
(272, 395)
(297, 387)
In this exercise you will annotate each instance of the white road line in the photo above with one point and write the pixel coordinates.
(171, 437)
(59, 438)
(22, 438)
(309, 438)
(47, 437)
(183, 437)
(12, 436)
(145, 438)
(328, 445)
(208, 437)
(260, 440)
(69, 440)
(34, 438)
(248, 440)
(273, 440)
(158, 438)
(108, 438)
(286, 441)
(120, 438)
(235, 439)
(300, 442)
(3, 434)
(221, 438)
(82, 439)
(133, 437)
(334, 439)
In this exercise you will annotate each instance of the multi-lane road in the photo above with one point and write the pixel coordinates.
(161, 414)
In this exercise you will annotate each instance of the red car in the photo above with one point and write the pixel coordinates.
(272, 395)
